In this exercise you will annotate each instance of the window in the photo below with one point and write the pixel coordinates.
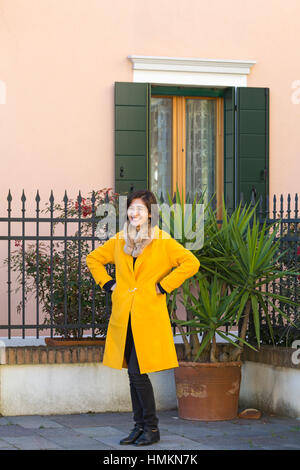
(213, 139)
(186, 145)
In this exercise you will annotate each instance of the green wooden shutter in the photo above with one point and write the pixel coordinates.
(131, 136)
(252, 144)
(229, 148)
(246, 145)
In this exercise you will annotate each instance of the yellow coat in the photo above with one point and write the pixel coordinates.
(135, 294)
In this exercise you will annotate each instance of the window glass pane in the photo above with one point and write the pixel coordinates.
(161, 145)
(200, 146)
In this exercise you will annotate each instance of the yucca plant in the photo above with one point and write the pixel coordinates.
(244, 258)
(249, 263)
(213, 308)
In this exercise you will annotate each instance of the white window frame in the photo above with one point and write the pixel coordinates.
(189, 71)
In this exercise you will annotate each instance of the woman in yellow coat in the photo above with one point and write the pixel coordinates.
(139, 335)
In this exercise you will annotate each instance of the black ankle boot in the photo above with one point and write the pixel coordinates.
(148, 437)
(135, 433)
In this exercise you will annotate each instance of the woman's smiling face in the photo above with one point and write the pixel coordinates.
(137, 212)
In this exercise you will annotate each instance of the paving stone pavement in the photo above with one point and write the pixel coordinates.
(103, 431)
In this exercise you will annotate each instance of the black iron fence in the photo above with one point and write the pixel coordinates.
(46, 268)
(286, 213)
(49, 286)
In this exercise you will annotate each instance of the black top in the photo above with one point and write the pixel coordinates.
(108, 285)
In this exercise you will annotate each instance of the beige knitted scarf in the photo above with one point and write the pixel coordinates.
(137, 240)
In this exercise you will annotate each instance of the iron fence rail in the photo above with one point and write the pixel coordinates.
(79, 217)
(65, 219)
(286, 214)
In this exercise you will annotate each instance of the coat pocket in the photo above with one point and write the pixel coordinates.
(114, 292)
(160, 294)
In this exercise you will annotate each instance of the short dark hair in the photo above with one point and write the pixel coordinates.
(148, 198)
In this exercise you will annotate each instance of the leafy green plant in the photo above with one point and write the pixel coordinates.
(243, 256)
(249, 263)
(213, 308)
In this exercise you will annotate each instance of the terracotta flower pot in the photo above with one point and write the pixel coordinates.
(74, 341)
(208, 391)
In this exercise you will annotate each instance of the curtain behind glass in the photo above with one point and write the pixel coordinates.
(161, 145)
(200, 147)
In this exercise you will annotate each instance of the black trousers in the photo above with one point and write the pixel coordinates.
(141, 391)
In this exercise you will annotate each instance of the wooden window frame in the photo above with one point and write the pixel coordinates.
(178, 175)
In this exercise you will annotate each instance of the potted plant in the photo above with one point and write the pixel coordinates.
(238, 259)
(207, 380)
(66, 290)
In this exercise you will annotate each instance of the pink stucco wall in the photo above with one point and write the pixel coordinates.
(59, 60)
